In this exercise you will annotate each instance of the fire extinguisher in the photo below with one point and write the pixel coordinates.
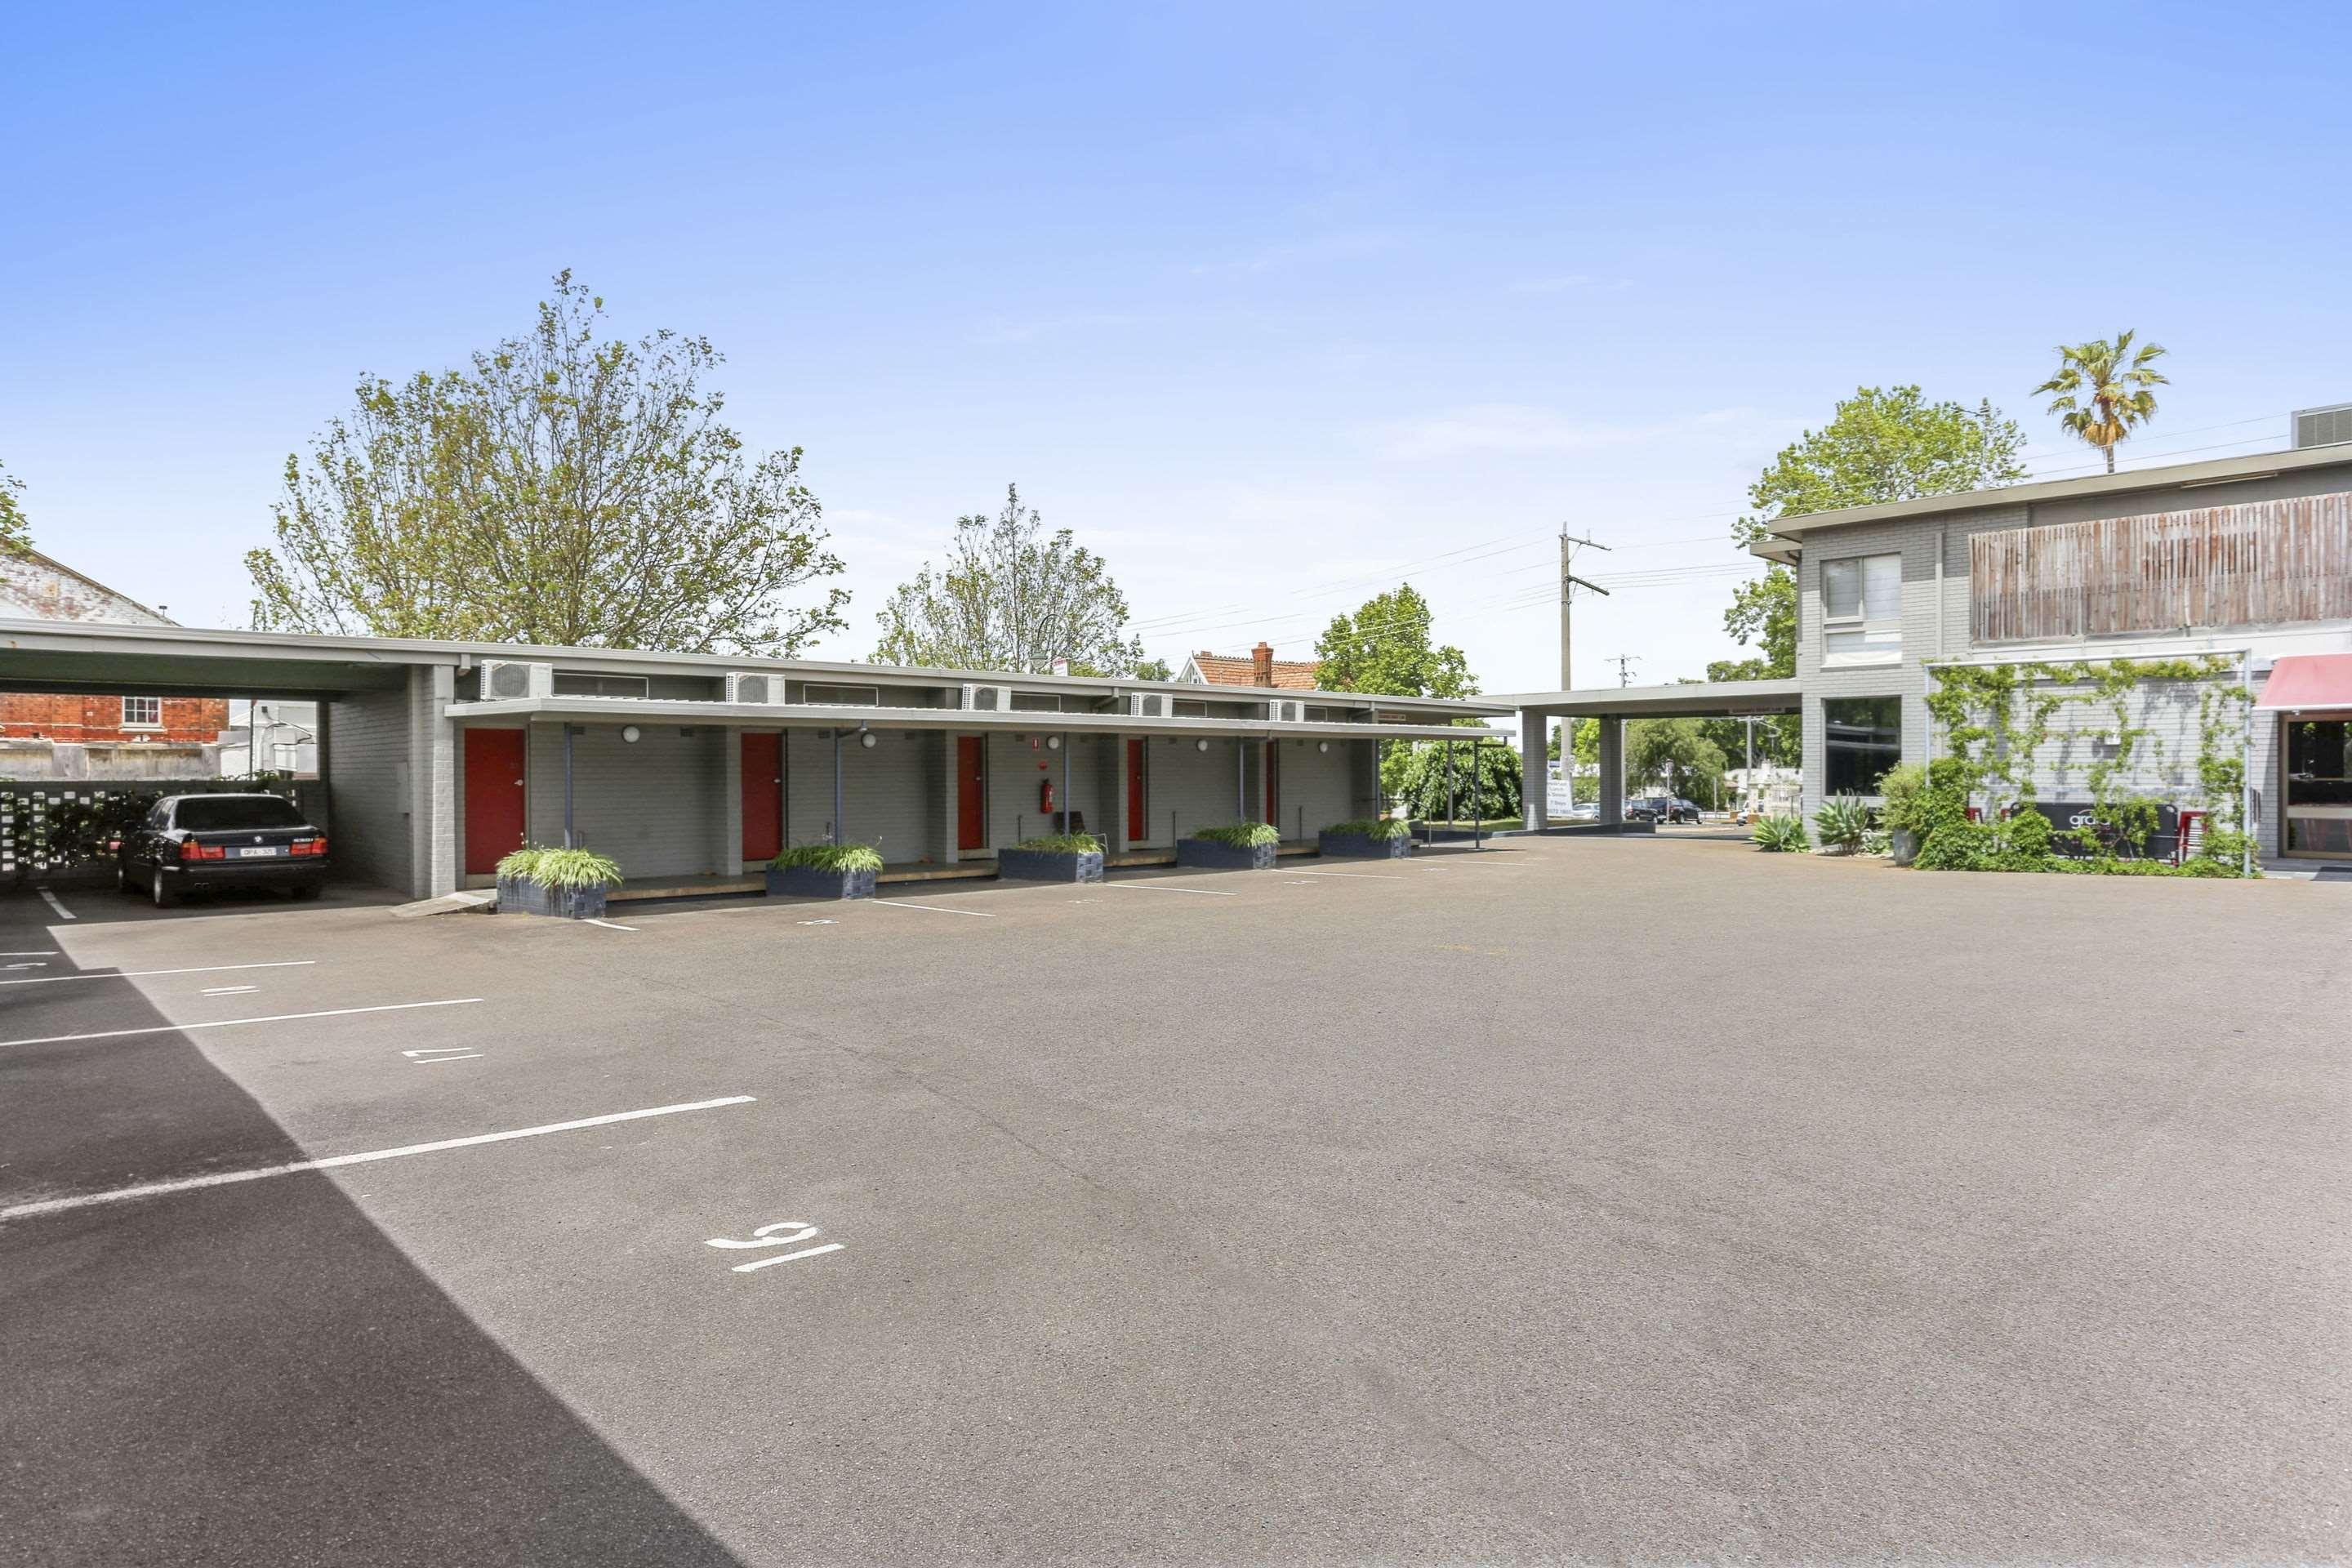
(1046, 796)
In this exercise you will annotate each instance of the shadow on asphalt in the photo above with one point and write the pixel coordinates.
(95, 900)
(251, 1373)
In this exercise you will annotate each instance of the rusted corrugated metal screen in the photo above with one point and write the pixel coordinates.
(2257, 564)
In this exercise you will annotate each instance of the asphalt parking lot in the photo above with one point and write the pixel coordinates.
(1573, 1200)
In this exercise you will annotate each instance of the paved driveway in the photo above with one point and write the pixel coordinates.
(1578, 1199)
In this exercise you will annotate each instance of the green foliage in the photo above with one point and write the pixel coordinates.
(1380, 829)
(16, 537)
(1240, 835)
(566, 869)
(1675, 754)
(1154, 669)
(836, 859)
(558, 489)
(1997, 718)
(1900, 789)
(1422, 781)
(1840, 824)
(1062, 844)
(1781, 834)
(2103, 390)
(1385, 648)
(1009, 597)
(75, 832)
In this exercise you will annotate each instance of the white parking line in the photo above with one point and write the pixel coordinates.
(51, 899)
(935, 909)
(1359, 875)
(788, 1257)
(1157, 888)
(143, 973)
(188, 1184)
(34, 953)
(608, 925)
(225, 1023)
(230, 990)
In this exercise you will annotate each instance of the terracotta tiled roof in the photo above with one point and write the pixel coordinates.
(1233, 669)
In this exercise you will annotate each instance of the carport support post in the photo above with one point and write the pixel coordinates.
(1241, 779)
(1477, 801)
(568, 841)
(1613, 771)
(1069, 817)
(836, 785)
(1534, 784)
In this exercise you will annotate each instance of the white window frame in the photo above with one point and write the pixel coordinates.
(1886, 625)
(131, 724)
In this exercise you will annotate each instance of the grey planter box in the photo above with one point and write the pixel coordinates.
(1356, 847)
(1049, 866)
(1903, 845)
(521, 896)
(1221, 856)
(808, 882)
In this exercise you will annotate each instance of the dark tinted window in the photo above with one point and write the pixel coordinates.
(1862, 737)
(216, 812)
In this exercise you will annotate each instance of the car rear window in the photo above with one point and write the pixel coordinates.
(214, 814)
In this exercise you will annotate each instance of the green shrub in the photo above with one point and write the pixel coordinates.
(1241, 835)
(1378, 828)
(521, 862)
(1782, 834)
(575, 868)
(1900, 792)
(1062, 844)
(838, 859)
(1841, 822)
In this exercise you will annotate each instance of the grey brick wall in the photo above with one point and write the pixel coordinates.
(1314, 789)
(369, 786)
(1013, 774)
(656, 807)
(1196, 786)
(890, 792)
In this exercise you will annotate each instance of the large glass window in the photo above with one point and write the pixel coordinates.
(1862, 737)
(2318, 786)
(1862, 610)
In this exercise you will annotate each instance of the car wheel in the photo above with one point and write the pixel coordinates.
(161, 892)
(122, 883)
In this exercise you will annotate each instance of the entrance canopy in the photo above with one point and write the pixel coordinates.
(1695, 700)
(2308, 682)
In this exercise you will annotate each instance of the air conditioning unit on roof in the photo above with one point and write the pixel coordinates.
(987, 699)
(760, 687)
(1150, 705)
(505, 679)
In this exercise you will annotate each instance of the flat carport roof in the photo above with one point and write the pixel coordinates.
(1693, 700)
(829, 716)
(176, 661)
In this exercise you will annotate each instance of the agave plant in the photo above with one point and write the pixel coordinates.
(1782, 834)
(1842, 822)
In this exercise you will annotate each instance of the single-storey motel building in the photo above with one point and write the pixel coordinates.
(692, 770)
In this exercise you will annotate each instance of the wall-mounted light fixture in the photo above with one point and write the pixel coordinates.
(1322, 746)
(1053, 742)
(630, 733)
(1201, 744)
(866, 739)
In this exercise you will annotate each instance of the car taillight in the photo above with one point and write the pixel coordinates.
(191, 851)
(310, 847)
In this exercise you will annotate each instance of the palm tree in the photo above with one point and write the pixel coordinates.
(2103, 390)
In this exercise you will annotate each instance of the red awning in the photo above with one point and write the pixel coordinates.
(2302, 683)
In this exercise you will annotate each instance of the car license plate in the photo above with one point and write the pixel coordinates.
(254, 854)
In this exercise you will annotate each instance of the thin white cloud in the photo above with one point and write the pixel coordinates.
(1523, 429)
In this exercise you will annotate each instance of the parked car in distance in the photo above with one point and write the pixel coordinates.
(189, 841)
(1660, 808)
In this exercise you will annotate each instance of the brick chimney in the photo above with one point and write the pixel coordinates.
(1262, 664)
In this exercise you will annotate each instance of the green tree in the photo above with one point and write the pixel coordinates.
(2103, 390)
(1880, 445)
(1011, 597)
(1385, 648)
(1422, 780)
(1675, 755)
(557, 489)
(1154, 669)
(16, 537)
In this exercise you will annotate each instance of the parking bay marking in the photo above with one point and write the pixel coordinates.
(225, 1178)
(230, 990)
(608, 925)
(1359, 875)
(1161, 887)
(143, 973)
(51, 899)
(803, 1230)
(225, 1023)
(935, 909)
(431, 1053)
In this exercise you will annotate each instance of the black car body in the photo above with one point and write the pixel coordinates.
(1660, 808)
(190, 841)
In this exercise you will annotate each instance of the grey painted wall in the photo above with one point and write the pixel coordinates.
(889, 792)
(1314, 789)
(369, 782)
(1013, 772)
(656, 807)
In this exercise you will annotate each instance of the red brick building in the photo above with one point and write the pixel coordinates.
(196, 721)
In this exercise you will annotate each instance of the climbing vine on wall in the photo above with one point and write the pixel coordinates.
(1997, 718)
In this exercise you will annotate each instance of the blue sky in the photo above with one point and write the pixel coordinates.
(1273, 305)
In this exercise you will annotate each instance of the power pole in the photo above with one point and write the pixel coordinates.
(1624, 663)
(1569, 584)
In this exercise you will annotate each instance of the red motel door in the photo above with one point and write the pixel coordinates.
(1135, 789)
(764, 796)
(493, 798)
(971, 823)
